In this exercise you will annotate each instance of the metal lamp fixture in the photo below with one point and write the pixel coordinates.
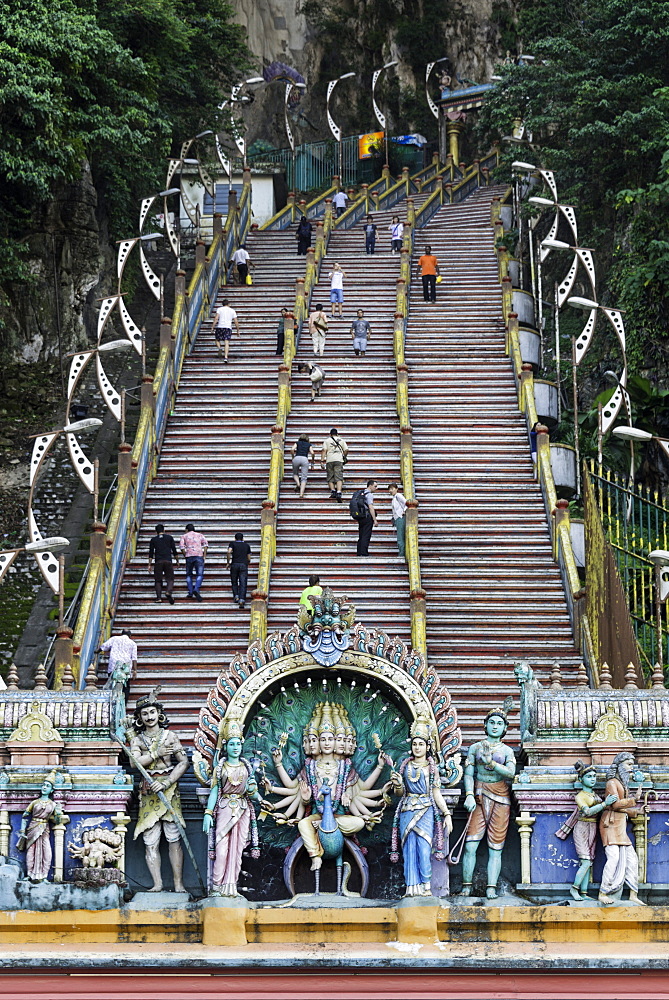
(380, 117)
(42, 549)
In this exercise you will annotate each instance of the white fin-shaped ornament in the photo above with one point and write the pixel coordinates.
(6, 559)
(189, 206)
(106, 307)
(567, 283)
(570, 216)
(549, 178)
(144, 210)
(172, 167)
(81, 464)
(133, 332)
(543, 249)
(587, 260)
(169, 229)
(124, 249)
(611, 409)
(584, 338)
(77, 366)
(615, 318)
(107, 390)
(41, 446)
(47, 562)
(150, 276)
(207, 180)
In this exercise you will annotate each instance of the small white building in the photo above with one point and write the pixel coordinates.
(265, 185)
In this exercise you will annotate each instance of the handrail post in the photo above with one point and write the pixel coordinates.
(406, 180)
(365, 195)
(411, 212)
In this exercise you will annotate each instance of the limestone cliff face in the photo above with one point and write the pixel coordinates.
(68, 254)
(469, 33)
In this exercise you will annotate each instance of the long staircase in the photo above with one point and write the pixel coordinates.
(494, 594)
(316, 534)
(213, 472)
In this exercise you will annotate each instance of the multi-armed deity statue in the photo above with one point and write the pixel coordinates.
(327, 708)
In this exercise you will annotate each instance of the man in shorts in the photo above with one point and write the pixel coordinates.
(225, 317)
(360, 331)
(333, 457)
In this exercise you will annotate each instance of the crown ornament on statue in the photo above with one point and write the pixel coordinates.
(149, 699)
(230, 728)
(423, 729)
(502, 712)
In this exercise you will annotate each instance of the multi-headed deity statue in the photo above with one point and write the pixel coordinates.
(230, 818)
(583, 825)
(34, 835)
(154, 747)
(329, 741)
(622, 862)
(489, 771)
(422, 814)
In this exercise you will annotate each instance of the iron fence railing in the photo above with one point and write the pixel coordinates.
(636, 522)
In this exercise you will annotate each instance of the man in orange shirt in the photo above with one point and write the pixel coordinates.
(428, 269)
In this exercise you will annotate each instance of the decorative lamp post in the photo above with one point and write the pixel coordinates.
(380, 117)
(334, 128)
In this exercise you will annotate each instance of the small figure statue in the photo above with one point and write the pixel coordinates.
(622, 863)
(583, 824)
(34, 836)
(154, 747)
(488, 800)
(422, 812)
(99, 847)
(230, 818)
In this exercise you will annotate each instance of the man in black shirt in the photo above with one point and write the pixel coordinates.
(239, 557)
(161, 550)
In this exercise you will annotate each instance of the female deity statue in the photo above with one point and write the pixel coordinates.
(583, 825)
(154, 746)
(34, 835)
(489, 771)
(352, 797)
(230, 819)
(422, 813)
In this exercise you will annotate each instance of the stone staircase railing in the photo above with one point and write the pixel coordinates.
(270, 506)
(557, 510)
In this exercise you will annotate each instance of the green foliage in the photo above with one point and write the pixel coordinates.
(116, 85)
(596, 101)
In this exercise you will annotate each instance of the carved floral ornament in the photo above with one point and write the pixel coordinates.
(611, 728)
(35, 727)
(326, 641)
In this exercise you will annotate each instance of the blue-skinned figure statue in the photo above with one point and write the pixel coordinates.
(325, 630)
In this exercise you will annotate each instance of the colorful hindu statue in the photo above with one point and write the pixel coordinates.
(582, 824)
(34, 836)
(353, 798)
(230, 819)
(422, 817)
(489, 771)
(622, 862)
(161, 754)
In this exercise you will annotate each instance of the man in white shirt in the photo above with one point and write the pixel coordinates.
(122, 652)
(241, 259)
(399, 516)
(339, 202)
(225, 317)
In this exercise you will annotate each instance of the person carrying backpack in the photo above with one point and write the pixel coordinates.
(362, 510)
(334, 454)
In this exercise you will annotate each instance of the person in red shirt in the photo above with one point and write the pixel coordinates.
(428, 269)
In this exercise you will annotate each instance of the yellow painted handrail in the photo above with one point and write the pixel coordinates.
(95, 594)
(560, 530)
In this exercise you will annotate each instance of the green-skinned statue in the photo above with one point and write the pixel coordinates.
(489, 771)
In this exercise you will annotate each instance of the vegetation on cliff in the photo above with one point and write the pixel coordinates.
(596, 101)
(112, 85)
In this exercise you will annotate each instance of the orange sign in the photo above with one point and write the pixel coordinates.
(367, 140)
